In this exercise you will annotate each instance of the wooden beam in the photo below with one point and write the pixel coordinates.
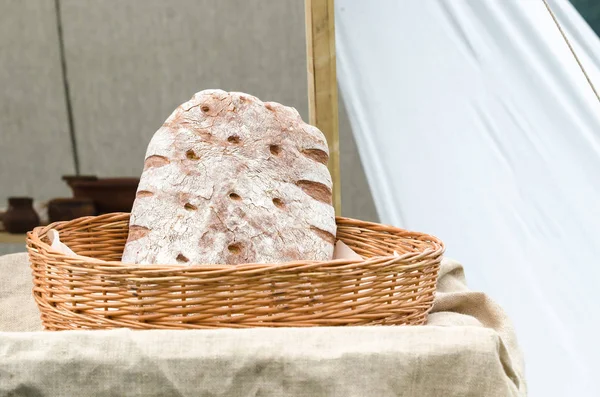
(322, 83)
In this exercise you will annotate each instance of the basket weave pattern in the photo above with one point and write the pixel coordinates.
(100, 292)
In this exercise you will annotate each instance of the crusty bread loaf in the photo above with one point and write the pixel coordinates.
(229, 179)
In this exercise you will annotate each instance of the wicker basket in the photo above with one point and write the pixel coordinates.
(101, 292)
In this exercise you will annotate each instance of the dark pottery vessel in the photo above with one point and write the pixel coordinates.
(20, 217)
(108, 194)
(66, 209)
(69, 179)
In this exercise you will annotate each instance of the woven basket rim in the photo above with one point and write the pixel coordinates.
(91, 293)
(34, 238)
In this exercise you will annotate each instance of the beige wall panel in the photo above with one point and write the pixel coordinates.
(357, 201)
(35, 148)
(130, 63)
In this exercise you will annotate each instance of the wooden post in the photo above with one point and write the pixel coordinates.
(322, 83)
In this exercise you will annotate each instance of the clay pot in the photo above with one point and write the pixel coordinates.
(76, 178)
(66, 209)
(108, 194)
(20, 217)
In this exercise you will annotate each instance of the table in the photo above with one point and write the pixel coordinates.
(8, 238)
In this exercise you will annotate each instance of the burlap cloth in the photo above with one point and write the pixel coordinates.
(468, 348)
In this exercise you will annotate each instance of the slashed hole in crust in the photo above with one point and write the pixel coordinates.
(278, 203)
(275, 149)
(190, 207)
(269, 107)
(233, 139)
(325, 235)
(316, 190)
(234, 196)
(144, 193)
(155, 161)
(205, 108)
(317, 155)
(182, 258)
(191, 155)
(136, 232)
(235, 248)
(204, 134)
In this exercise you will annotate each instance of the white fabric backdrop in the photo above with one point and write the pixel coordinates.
(474, 123)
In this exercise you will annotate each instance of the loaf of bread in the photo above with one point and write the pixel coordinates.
(230, 179)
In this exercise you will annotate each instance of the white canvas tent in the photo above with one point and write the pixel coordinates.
(475, 123)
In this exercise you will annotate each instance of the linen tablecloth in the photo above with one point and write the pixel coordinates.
(468, 348)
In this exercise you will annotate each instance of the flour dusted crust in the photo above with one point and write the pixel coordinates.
(230, 179)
